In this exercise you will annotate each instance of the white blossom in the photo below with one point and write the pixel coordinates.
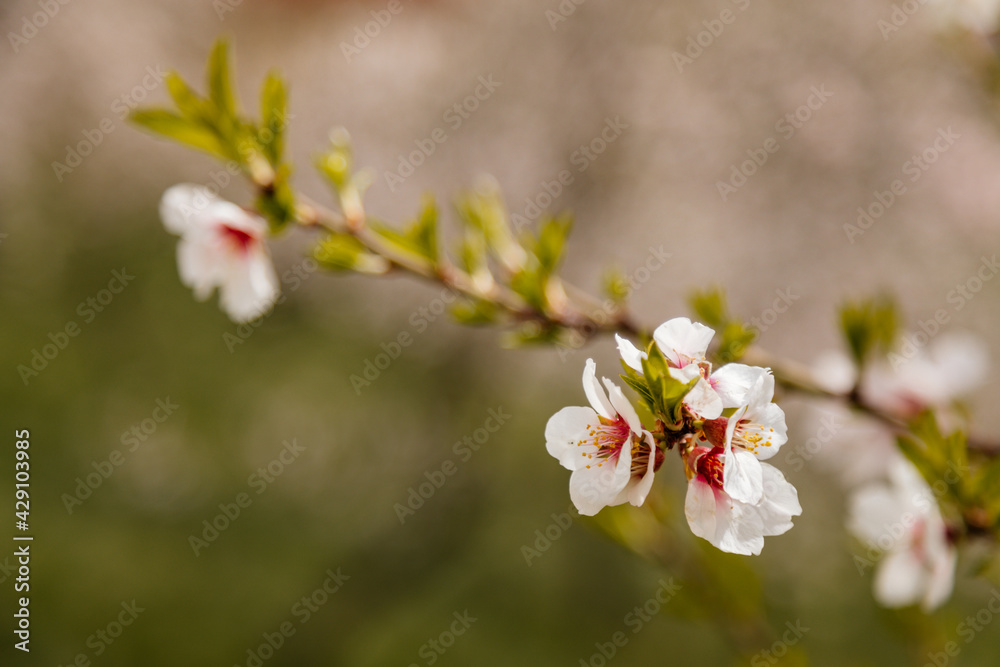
(733, 525)
(901, 520)
(612, 457)
(222, 245)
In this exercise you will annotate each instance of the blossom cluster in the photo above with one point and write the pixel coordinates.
(724, 428)
(892, 510)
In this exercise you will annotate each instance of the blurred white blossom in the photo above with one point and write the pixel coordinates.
(900, 518)
(222, 245)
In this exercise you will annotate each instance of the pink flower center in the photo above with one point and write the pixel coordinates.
(710, 467)
(237, 238)
(608, 437)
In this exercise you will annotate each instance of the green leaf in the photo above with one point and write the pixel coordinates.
(735, 340)
(220, 89)
(171, 125)
(639, 386)
(188, 102)
(424, 230)
(482, 209)
(552, 235)
(474, 312)
(869, 324)
(667, 392)
(615, 285)
(344, 252)
(530, 285)
(956, 447)
(273, 110)
(710, 307)
(987, 481)
(531, 333)
(337, 163)
(918, 456)
(409, 242)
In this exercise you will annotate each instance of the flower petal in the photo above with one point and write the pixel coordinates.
(198, 264)
(900, 579)
(769, 423)
(733, 383)
(834, 371)
(186, 206)
(779, 504)
(740, 529)
(631, 355)
(873, 510)
(595, 394)
(941, 581)
(593, 488)
(742, 476)
(701, 399)
(762, 391)
(249, 288)
(622, 406)
(680, 337)
(700, 509)
(565, 430)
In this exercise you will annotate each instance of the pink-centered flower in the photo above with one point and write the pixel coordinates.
(612, 457)
(901, 520)
(754, 433)
(683, 344)
(222, 245)
(730, 524)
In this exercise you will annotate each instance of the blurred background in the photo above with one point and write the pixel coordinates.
(848, 105)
